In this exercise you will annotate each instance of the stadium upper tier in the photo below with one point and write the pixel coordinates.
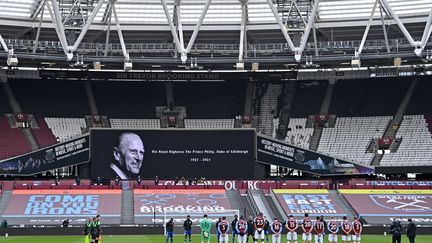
(355, 114)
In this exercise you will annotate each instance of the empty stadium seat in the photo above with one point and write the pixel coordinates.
(12, 140)
(209, 123)
(298, 134)
(66, 128)
(135, 123)
(415, 146)
(351, 136)
(43, 134)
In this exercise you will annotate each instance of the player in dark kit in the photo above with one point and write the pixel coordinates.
(242, 229)
(250, 228)
(259, 223)
(319, 229)
(96, 230)
(307, 227)
(292, 226)
(346, 230)
(169, 227)
(357, 230)
(266, 229)
(187, 225)
(87, 229)
(223, 229)
(233, 226)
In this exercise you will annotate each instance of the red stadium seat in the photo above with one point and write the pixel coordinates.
(156, 187)
(215, 187)
(99, 187)
(361, 186)
(116, 187)
(40, 187)
(21, 187)
(195, 187)
(383, 187)
(344, 186)
(402, 187)
(285, 186)
(62, 187)
(175, 187)
(80, 187)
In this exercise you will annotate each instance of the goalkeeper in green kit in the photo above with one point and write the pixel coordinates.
(205, 229)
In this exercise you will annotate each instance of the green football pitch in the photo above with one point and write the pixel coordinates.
(177, 239)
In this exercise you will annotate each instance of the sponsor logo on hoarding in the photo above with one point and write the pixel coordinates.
(404, 203)
(310, 203)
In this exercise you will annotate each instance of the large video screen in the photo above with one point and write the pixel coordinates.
(222, 154)
(155, 206)
(382, 206)
(51, 207)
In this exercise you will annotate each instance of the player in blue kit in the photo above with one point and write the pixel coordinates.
(169, 227)
(188, 228)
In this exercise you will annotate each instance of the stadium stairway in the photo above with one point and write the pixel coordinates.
(394, 124)
(4, 200)
(236, 202)
(342, 203)
(260, 204)
(274, 208)
(127, 208)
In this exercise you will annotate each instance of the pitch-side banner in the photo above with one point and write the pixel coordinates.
(154, 206)
(275, 152)
(381, 206)
(69, 153)
(297, 202)
(51, 207)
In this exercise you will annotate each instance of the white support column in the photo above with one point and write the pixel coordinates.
(120, 34)
(384, 29)
(366, 32)
(242, 31)
(402, 27)
(427, 31)
(36, 42)
(180, 48)
(108, 29)
(58, 26)
(315, 40)
(198, 26)
(310, 23)
(87, 25)
(3, 43)
(281, 26)
(179, 25)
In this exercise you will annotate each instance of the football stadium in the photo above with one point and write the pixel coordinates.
(225, 121)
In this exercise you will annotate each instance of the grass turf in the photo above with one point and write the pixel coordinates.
(177, 239)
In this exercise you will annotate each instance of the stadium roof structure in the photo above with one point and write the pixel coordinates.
(172, 33)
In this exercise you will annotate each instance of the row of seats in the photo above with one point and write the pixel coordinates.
(298, 134)
(135, 123)
(209, 123)
(351, 136)
(66, 128)
(12, 140)
(416, 144)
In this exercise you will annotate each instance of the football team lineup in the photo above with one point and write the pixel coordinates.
(177, 239)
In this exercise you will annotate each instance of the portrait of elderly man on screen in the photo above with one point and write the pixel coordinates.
(128, 156)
